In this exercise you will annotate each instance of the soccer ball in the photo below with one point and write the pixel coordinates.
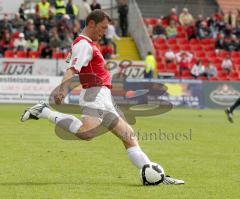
(152, 174)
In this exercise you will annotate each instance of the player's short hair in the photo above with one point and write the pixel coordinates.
(97, 16)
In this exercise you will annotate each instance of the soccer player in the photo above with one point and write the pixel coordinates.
(229, 110)
(95, 98)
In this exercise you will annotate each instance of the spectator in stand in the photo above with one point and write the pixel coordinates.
(172, 16)
(64, 26)
(60, 9)
(95, 5)
(43, 36)
(210, 71)
(6, 43)
(237, 31)
(76, 28)
(159, 30)
(66, 43)
(227, 43)
(169, 56)
(220, 43)
(123, 16)
(185, 18)
(150, 66)
(227, 64)
(17, 23)
(198, 69)
(199, 20)
(234, 44)
(30, 30)
(110, 35)
(171, 30)
(43, 10)
(228, 31)
(230, 19)
(55, 41)
(20, 43)
(238, 18)
(5, 24)
(71, 9)
(211, 23)
(107, 51)
(32, 43)
(191, 31)
(183, 59)
(21, 11)
(83, 11)
(203, 31)
(46, 52)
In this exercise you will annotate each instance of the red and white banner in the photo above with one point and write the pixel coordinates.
(52, 67)
(31, 67)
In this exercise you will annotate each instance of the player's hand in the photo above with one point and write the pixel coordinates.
(58, 98)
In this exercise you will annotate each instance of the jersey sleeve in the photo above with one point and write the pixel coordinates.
(81, 55)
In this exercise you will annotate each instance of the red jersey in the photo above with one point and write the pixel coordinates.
(88, 62)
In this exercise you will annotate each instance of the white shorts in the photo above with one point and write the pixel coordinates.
(98, 102)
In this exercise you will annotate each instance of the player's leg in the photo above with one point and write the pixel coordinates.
(229, 111)
(85, 129)
(234, 106)
(125, 132)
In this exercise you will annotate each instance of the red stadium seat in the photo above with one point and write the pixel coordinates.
(194, 42)
(181, 35)
(207, 48)
(213, 79)
(236, 61)
(185, 47)
(171, 66)
(160, 41)
(223, 54)
(211, 55)
(200, 55)
(172, 41)
(206, 41)
(196, 48)
(162, 46)
(180, 29)
(234, 75)
(33, 54)
(175, 49)
(151, 21)
(160, 66)
(235, 54)
(202, 78)
(21, 54)
(8, 54)
(15, 35)
(223, 76)
(186, 73)
(57, 55)
(183, 41)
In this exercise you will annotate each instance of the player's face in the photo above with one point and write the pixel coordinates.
(100, 29)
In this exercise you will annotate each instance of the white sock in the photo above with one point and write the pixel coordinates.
(65, 121)
(137, 156)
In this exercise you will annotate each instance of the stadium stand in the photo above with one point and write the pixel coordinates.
(210, 39)
(157, 8)
(42, 34)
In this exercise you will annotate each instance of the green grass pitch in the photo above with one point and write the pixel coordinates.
(35, 163)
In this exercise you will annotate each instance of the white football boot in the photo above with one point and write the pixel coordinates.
(33, 112)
